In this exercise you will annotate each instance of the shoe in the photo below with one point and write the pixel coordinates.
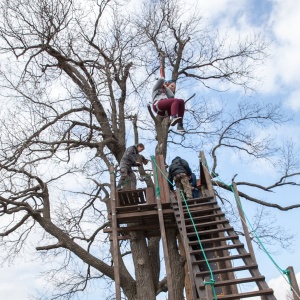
(175, 120)
(180, 128)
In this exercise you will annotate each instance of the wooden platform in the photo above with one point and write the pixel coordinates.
(137, 210)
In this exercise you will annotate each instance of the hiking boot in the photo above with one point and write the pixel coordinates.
(175, 120)
(180, 128)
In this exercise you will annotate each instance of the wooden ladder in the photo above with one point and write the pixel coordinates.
(231, 265)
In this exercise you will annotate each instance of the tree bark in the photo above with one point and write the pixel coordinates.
(145, 288)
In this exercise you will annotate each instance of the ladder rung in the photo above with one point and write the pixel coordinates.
(208, 231)
(246, 295)
(220, 271)
(199, 205)
(198, 199)
(202, 211)
(236, 281)
(206, 217)
(227, 247)
(212, 240)
(223, 258)
(225, 221)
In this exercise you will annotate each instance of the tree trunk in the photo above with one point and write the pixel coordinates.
(177, 264)
(162, 128)
(153, 246)
(143, 269)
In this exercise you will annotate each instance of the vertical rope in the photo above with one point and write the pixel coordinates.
(157, 187)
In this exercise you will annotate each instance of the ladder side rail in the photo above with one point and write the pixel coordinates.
(228, 264)
(295, 287)
(187, 282)
(184, 238)
(165, 249)
(243, 220)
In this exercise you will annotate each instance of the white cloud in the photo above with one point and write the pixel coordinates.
(218, 10)
(293, 100)
(281, 287)
(18, 282)
(284, 66)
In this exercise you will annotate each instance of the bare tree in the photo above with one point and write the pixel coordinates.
(77, 78)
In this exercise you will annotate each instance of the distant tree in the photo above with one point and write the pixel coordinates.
(76, 78)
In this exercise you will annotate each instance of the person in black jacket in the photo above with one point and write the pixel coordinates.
(180, 172)
(129, 160)
(193, 183)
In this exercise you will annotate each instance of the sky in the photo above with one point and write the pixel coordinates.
(278, 21)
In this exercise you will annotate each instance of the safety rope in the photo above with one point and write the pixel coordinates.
(212, 281)
(282, 271)
(157, 187)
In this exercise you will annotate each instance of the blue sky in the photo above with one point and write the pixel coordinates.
(279, 21)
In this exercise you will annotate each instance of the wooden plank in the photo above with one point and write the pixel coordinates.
(243, 220)
(150, 195)
(225, 229)
(246, 295)
(144, 213)
(212, 240)
(201, 225)
(295, 287)
(132, 197)
(187, 283)
(217, 248)
(237, 281)
(162, 181)
(135, 208)
(115, 233)
(146, 227)
(220, 258)
(208, 290)
(225, 271)
(165, 249)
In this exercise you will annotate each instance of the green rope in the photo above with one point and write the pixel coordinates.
(211, 282)
(157, 188)
(194, 226)
(284, 272)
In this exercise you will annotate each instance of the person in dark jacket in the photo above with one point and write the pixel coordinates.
(129, 160)
(193, 183)
(180, 172)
